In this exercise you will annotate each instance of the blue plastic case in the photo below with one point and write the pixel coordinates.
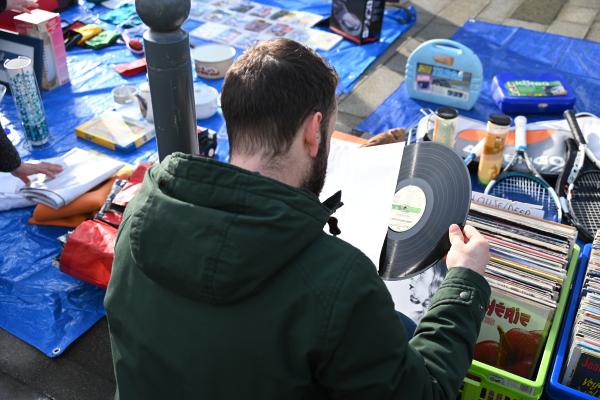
(555, 390)
(532, 94)
(444, 72)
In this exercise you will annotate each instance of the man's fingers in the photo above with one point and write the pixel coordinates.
(455, 235)
(54, 168)
(470, 232)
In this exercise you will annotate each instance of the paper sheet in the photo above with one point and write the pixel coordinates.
(367, 177)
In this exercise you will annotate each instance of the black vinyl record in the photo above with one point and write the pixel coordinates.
(432, 193)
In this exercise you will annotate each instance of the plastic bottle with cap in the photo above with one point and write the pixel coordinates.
(492, 156)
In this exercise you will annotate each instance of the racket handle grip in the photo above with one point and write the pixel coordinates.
(475, 151)
(521, 133)
(574, 126)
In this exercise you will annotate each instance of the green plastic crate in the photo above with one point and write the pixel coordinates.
(485, 382)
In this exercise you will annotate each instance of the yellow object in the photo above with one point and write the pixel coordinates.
(88, 32)
(116, 132)
(490, 163)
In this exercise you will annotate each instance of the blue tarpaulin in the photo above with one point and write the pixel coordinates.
(38, 303)
(502, 49)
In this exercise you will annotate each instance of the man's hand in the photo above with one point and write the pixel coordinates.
(25, 169)
(470, 250)
(21, 5)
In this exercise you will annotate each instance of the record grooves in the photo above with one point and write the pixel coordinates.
(433, 192)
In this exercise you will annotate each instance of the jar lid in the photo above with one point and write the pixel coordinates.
(446, 112)
(500, 119)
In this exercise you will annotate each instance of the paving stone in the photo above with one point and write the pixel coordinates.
(577, 15)
(20, 360)
(585, 3)
(525, 24)
(437, 28)
(540, 11)
(498, 10)
(371, 91)
(460, 11)
(92, 351)
(568, 29)
(433, 6)
(14, 390)
(69, 381)
(347, 122)
(424, 17)
(594, 32)
(398, 61)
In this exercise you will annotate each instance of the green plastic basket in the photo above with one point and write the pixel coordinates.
(485, 382)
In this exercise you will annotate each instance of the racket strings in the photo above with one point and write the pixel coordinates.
(585, 201)
(525, 190)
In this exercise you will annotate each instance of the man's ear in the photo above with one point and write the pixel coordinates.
(311, 132)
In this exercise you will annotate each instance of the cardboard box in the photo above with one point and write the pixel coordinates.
(357, 20)
(45, 25)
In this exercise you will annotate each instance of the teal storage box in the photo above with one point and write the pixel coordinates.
(444, 72)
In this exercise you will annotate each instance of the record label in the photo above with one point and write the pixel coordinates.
(408, 207)
(433, 191)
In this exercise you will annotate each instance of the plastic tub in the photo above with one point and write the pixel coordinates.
(490, 383)
(554, 389)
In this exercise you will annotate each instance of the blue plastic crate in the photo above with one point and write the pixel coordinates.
(554, 389)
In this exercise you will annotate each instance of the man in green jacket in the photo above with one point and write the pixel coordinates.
(225, 285)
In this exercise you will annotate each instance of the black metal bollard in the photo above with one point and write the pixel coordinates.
(167, 51)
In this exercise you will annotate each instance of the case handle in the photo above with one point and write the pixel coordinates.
(452, 45)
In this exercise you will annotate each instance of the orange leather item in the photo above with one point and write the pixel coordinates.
(76, 212)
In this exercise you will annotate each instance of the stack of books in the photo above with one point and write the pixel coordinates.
(527, 269)
(582, 371)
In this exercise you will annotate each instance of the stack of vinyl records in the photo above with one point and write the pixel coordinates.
(527, 268)
(582, 371)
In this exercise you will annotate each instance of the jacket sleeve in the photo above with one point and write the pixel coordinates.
(9, 157)
(372, 358)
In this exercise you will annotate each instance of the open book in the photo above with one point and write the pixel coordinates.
(82, 170)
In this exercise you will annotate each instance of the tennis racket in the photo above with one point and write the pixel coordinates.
(583, 192)
(527, 187)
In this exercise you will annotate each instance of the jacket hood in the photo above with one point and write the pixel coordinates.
(214, 232)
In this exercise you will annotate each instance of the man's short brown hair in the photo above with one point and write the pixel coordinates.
(269, 92)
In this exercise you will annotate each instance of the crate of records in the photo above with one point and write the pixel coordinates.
(576, 369)
(530, 272)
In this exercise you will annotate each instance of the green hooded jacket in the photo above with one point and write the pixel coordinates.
(224, 286)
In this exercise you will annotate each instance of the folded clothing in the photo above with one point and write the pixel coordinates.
(70, 216)
(102, 40)
(125, 16)
(87, 32)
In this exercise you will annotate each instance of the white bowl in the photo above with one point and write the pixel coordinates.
(206, 100)
(212, 60)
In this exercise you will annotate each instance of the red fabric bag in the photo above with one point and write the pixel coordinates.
(89, 251)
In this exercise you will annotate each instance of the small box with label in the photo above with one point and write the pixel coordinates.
(357, 20)
(45, 25)
(545, 93)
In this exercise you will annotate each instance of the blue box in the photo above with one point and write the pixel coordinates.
(444, 72)
(555, 390)
(532, 94)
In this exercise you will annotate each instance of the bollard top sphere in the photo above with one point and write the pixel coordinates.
(163, 15)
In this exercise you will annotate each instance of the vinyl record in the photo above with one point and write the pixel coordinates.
(432, 193)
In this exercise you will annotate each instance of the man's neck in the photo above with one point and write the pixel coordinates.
(281, 169)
